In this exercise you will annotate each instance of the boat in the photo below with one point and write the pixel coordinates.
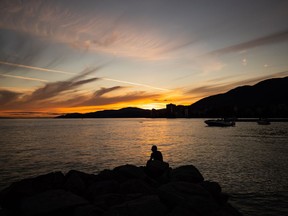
(263, 121)
(220, 122)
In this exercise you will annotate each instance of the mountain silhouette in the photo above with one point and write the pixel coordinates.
(267, 98)
(128, 112)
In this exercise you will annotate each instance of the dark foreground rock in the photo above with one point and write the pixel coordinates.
(126, 190)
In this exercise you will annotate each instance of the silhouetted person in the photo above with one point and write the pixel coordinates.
(155, 166)
(156, 155)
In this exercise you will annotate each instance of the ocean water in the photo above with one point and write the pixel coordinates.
(249, 161)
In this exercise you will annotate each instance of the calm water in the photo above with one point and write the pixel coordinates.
(249, 160)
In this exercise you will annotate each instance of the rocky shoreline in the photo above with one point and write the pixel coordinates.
(128, 190)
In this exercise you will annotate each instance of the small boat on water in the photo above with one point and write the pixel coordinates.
(220, 122)
(263, 121)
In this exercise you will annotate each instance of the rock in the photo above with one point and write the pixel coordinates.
(157, 168)
(50, 202)
(126, 190)
(183, 210)
(87, 210)
(188, 173)
(130, 171)
(135, 186)
(107, 174)
(75, 183)
(106, 201)
(192, 197)
(215, 190)
(228, 210)
(144, 206)
(101, 188)
(12, 196)
(3, 212)
(212, 187)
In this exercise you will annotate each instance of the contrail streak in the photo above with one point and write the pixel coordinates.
(36, 68)
(132, 83)
(70, 73)
(25, 78)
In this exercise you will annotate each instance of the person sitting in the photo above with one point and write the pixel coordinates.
(155, 166)
(156, 155)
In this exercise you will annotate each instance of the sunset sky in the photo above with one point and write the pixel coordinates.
(62, 56)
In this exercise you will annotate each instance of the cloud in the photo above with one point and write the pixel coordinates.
(112, 32)
(103, 91)
(208, 90)
(277, 37)
(54, 89)
(32, 114)
(257, 79)
(23, 78)
(7, 97)
(129, 97)
(46, 96)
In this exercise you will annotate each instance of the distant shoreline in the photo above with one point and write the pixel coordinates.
(236, 119)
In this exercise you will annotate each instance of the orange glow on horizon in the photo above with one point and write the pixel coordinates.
(53, 112)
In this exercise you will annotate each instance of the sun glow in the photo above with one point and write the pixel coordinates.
(151, 106)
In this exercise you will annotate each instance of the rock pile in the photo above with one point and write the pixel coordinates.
(126, 190)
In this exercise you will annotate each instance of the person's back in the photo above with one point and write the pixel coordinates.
(156, 155)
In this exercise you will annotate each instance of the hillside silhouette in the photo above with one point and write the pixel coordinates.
(128, 112)
(267, 98)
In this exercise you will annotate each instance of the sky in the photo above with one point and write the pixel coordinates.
(64, 56)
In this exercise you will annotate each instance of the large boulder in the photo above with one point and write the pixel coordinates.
(157, 169)
(129, 171)
(191, 198)
(215, 190)
(101, 188)
(136, 186)
(144, 206)
(188, 173)
(107, 174)
(51, 202)
(75, 182)
(106, 201)
(87, 210)
(12, 196)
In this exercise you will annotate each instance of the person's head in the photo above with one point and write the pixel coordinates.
(154, 148)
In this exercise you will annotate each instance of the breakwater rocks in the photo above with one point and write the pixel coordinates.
(128, 190)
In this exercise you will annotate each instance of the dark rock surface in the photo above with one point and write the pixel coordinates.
(126, 190)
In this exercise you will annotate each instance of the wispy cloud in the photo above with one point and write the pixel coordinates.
(126, 98)
(7, 97)
(277, 37)
(35, 68)
(222, 87)
(103, 91)
(56, 88)
(31, 114)
(23, 78)
(96, 31)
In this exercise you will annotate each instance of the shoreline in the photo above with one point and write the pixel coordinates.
(235, 119)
